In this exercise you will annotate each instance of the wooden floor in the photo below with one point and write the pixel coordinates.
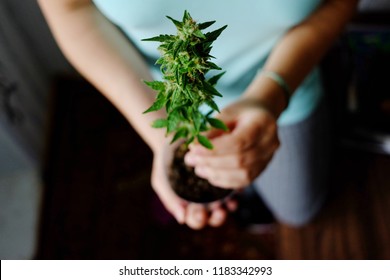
(355, 223)
(99, 205)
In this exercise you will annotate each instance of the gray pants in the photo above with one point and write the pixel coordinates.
(295, 183)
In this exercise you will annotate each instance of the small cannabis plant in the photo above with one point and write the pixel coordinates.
(185, 61)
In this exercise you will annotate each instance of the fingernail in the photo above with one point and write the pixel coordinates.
(218, 216)
(179, 215)
(190, 159)
(232, 206)
(198, 216)
(195, 149)
(201, 171)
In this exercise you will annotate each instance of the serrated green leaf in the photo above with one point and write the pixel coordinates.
(213, 35)
(160, 61)
(184, 113)
(199, 34)
(190, 140)
(170, 45)
(212, 65)
(160, 123)
(212, 105)
(186, 16)
(160, 38)
(156, 85)
(197, 119)
(203, 127)
(216, 123)
(177, 23)
(210, 89)
(157, 105)
(196, 51)
(173, 121)
(181, 133)
(177, 76)
(204, 25)
(209, 113)
(168, 106)
(184, 80)
(206, 45)
(177, 48)
(214, 80)
(205, 142)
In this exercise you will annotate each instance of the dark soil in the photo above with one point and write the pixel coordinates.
(188, 185)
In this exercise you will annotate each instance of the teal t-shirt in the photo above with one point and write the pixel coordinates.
(254, 27)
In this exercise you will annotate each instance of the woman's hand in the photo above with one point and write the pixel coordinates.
(195, 215)
(240, 155)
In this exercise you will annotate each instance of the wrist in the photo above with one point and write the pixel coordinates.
(268, 93)
(281, 82)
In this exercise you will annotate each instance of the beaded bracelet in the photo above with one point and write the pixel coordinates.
(281, 82)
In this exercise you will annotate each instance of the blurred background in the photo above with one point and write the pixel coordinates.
(74, 176)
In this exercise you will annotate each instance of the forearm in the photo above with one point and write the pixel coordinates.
(300, 50)
(104, 56)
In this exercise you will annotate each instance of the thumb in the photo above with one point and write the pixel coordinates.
(228, 119)
(162, 187)
(170, 201)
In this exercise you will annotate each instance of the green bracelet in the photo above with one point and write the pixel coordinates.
(280, 81)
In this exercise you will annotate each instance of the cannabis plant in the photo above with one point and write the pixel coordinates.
(185, 61)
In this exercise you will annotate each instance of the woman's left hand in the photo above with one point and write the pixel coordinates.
(195, 215)
(240, 155)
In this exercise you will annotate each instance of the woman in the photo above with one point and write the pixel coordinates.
(269, 50)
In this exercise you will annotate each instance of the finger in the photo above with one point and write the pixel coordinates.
(235, 171)
(270, 135)
(217, 217)
(263, 148)
(235, 180)
(242, 137)
(238, 160)
(230, 178)
(196, 216)
(172, 203)
(248, 135)
(214, 205)
(247, 131)
(268, 147)
(214, 133)
(231, 205)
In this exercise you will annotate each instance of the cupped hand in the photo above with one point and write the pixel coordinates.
(195, 215)
(241, 154)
